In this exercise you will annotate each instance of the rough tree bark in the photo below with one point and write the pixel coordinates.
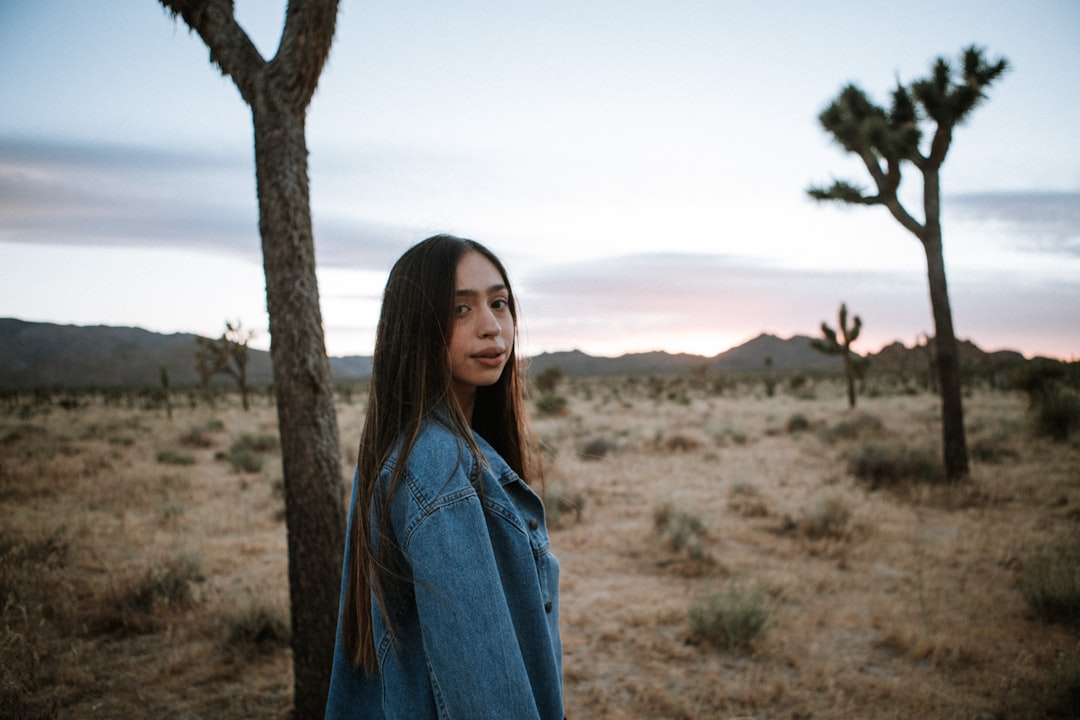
(278, 92)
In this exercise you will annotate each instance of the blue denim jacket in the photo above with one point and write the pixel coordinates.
(477, 632)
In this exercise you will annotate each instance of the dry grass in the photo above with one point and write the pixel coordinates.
(134, 587)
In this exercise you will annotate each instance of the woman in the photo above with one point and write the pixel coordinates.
(449, 605)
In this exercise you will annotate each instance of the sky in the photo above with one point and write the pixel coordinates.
(640, 166)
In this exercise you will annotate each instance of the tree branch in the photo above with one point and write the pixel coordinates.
(230, 48)
(905, 218)
(305, 46)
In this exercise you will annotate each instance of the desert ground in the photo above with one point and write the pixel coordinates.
(143, 558)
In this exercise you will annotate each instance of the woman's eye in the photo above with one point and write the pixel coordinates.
(461, 309)
(500, 304)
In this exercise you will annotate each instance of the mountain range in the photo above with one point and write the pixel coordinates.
(47, 355)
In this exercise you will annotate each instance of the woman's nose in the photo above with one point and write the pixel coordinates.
(489, 324)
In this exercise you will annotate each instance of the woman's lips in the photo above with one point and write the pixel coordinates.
(490, 358)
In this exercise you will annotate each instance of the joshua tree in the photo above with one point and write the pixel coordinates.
(830, 345)
(278, 91)
(165, 391)
(884, 141)
(228, 354)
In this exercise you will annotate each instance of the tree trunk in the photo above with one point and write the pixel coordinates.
(849, 373)
(947, 354)
(307, 422)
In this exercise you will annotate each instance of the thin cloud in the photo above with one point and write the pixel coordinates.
(102, 195)
(698, 296)
(1041, 222)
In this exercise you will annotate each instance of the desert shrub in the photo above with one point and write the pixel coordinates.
(246, 454)
(20, 432)
(1039, 378)
(550, 404)
(49, 549)
(263, 443)
(129, 606)
(175, 457)
(1057, 414)
(245, 460)
(197, 437)
(681, 529)
(258, 627)
(797, 423)
(172, 511)
(745, 499)
(731, 619)
(172, 582)
(596, 448)
(828, 519)
(881, 464)
(736, 435)
(679, 441)
(548, 379)
(859, 425)
(1050, 583)
(995, 448)
(559, 502)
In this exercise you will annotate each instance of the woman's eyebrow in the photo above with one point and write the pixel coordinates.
(466, 292)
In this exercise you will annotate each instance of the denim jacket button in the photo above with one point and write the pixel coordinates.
(533, 524)
(547, 607)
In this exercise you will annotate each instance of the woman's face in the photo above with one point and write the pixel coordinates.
(482, 327)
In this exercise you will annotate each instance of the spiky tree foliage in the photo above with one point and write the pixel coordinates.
(278, 92)
(887, 139)
(830, 344)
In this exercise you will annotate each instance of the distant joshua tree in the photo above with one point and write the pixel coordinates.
(831, 345)
(228, 355)
(165, 391)
(884, 141)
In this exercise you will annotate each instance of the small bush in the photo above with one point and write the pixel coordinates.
(1050, 583)
(550, 404)
(680, 442)
(197, 437)
(245, 460)
(1057, 414)
(995, 449)
(745, 499)
(732, 619)
(828, 519)
(797, 423)
(548, 379)
(264, 443)
(172, 582)
(888, 465)
(681, 529)
(560, 502)
(596, 448)
(246, 454)
(860, 425)
(175, 457)
(129, 606)
(258, 628)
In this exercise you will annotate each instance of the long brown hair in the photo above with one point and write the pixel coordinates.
(410, 380)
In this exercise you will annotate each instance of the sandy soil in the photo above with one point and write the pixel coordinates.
(887, 604)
